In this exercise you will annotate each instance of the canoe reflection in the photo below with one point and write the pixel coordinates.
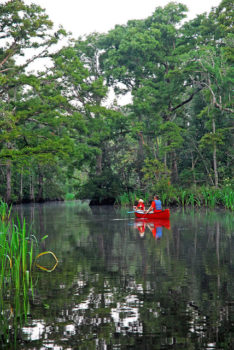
(154, 225)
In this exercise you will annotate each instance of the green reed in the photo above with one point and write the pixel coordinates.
(205, 195)
(196, 197)
(228, 199)
(17, 254)
(164, 198)
(123, 200)
(14, 277)
(13, 253)
(183, 197)
(17, 258)
(5, 211)
(131, 198)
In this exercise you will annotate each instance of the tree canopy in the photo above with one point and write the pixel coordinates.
(59, 132)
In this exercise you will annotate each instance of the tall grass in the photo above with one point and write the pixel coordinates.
(17, 253)
(123, 200)
(5, 211)
(208, 197)
(17, 258)
(131, 198)
(14, 253)
(196, 197)
(228, 198)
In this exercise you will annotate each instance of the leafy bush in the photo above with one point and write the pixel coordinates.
(69, 196)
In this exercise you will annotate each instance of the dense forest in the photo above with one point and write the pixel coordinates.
(62, 137)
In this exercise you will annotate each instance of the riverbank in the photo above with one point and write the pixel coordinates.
(195, 197)
(209, 197)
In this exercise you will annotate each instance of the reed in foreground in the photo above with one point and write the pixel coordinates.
(18, 255)
(18, 251)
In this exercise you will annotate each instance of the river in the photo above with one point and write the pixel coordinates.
(126, 284)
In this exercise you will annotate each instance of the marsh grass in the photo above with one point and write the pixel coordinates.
(17, 254)
(183, 196)
(195, 197)
(164, 198)
(123, 200)
(16, 251)
(5, 211)
(228, 198)
(131, 198)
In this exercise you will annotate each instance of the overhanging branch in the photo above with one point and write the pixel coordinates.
(186, 101)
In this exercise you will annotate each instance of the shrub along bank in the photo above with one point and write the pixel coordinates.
(196, 197)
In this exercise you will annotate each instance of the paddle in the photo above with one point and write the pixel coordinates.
(130, 212)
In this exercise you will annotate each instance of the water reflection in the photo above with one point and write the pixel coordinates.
(114, 289)
(153, 225)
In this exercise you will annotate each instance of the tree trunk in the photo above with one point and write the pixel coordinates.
(217, 252)
(99, 164)
(8, 181)
(32, 197)
(140, 156)
(156, 149)
(193, 169)
(215, 157)
(21, 185)
(175, 168)
(204, 163)
(40, 185)
(165, 156)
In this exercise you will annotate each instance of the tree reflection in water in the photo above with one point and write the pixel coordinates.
(113, 289)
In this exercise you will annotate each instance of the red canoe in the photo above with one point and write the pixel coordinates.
(163, 214)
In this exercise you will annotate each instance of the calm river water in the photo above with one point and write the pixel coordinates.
(126, 284)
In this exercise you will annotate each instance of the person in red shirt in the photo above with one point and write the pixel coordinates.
(156, 205)
(140, 225)
(156, 230)
(140, 205)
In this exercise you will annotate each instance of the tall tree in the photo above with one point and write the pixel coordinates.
(25, 36)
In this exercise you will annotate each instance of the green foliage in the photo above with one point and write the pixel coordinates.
(101, 187)
(172, 136)
(131, 198)
(194, 196)
(156, 176)
(14, 253)
(57, 135)
(206, 196)
(69, 196)
(5, 211)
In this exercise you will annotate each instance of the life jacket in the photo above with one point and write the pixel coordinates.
(158, 204)
(159, 232)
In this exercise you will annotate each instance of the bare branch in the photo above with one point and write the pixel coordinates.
(37, 121)
(215, 103)
(11, 53)
(186, 101)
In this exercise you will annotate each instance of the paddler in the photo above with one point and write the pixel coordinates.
(140, 205)
(156, 205)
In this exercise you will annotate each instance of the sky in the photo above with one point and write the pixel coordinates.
(87, 16)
